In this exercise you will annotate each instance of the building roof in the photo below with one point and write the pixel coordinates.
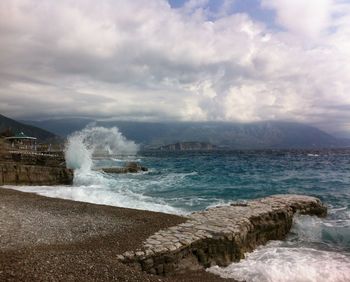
(20, 135)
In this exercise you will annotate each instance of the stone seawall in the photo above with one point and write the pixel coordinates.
(21, 174)
(221, 235)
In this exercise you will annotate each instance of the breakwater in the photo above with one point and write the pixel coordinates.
(221, 235)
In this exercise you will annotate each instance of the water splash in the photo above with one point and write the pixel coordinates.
(274, 262)
(333, 231)
(83, 144)
(102, 193)
(316, 250)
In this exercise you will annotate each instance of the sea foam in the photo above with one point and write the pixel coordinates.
(274, 263)
(100, 194)
(310, 254)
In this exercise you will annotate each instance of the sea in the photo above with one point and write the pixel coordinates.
(316, 249)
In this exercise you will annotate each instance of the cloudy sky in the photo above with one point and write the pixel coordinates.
(197, 60)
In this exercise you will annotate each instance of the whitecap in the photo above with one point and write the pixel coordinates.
(333, 231)
(273, 263)
(99, 194)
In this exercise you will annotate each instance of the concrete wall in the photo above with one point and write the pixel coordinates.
(22, 174)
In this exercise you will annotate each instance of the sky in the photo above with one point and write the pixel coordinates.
(196, 60)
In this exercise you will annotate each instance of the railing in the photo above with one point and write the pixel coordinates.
(40, 148)
(37, 153)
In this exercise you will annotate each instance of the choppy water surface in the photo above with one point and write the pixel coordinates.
(316, 249)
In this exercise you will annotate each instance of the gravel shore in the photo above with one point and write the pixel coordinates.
(49, 239)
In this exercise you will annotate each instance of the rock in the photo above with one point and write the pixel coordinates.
(135, 167)
(129, 255)
(160, 269)
(130, 167)
(120, 257)
(147, 264)
(139, 254)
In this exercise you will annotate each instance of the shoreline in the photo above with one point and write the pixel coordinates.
(46, 238)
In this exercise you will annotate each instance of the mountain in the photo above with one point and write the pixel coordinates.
(17, 127)
(188, 146)
(259, 135)
(62, 127)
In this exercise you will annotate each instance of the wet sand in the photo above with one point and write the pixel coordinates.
(49, 239)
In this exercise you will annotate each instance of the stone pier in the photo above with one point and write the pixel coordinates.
(221, 235)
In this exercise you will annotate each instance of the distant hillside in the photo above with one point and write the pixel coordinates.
(187, 146)
(17, 127)
(260, 135)
(61, 127)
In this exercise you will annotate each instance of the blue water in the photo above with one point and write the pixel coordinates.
(200, 179)
(182, 182)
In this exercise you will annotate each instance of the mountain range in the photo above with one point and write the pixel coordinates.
(224, 135)
(17, 127)
(259, 135)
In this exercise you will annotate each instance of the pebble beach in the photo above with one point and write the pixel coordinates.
(49, 239)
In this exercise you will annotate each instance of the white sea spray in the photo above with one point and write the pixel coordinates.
(310, 254)
(81, 145)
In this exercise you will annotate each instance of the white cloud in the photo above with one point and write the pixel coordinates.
(144, 60)
(308, 18)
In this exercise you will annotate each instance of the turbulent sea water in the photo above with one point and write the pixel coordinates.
(182, 182)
